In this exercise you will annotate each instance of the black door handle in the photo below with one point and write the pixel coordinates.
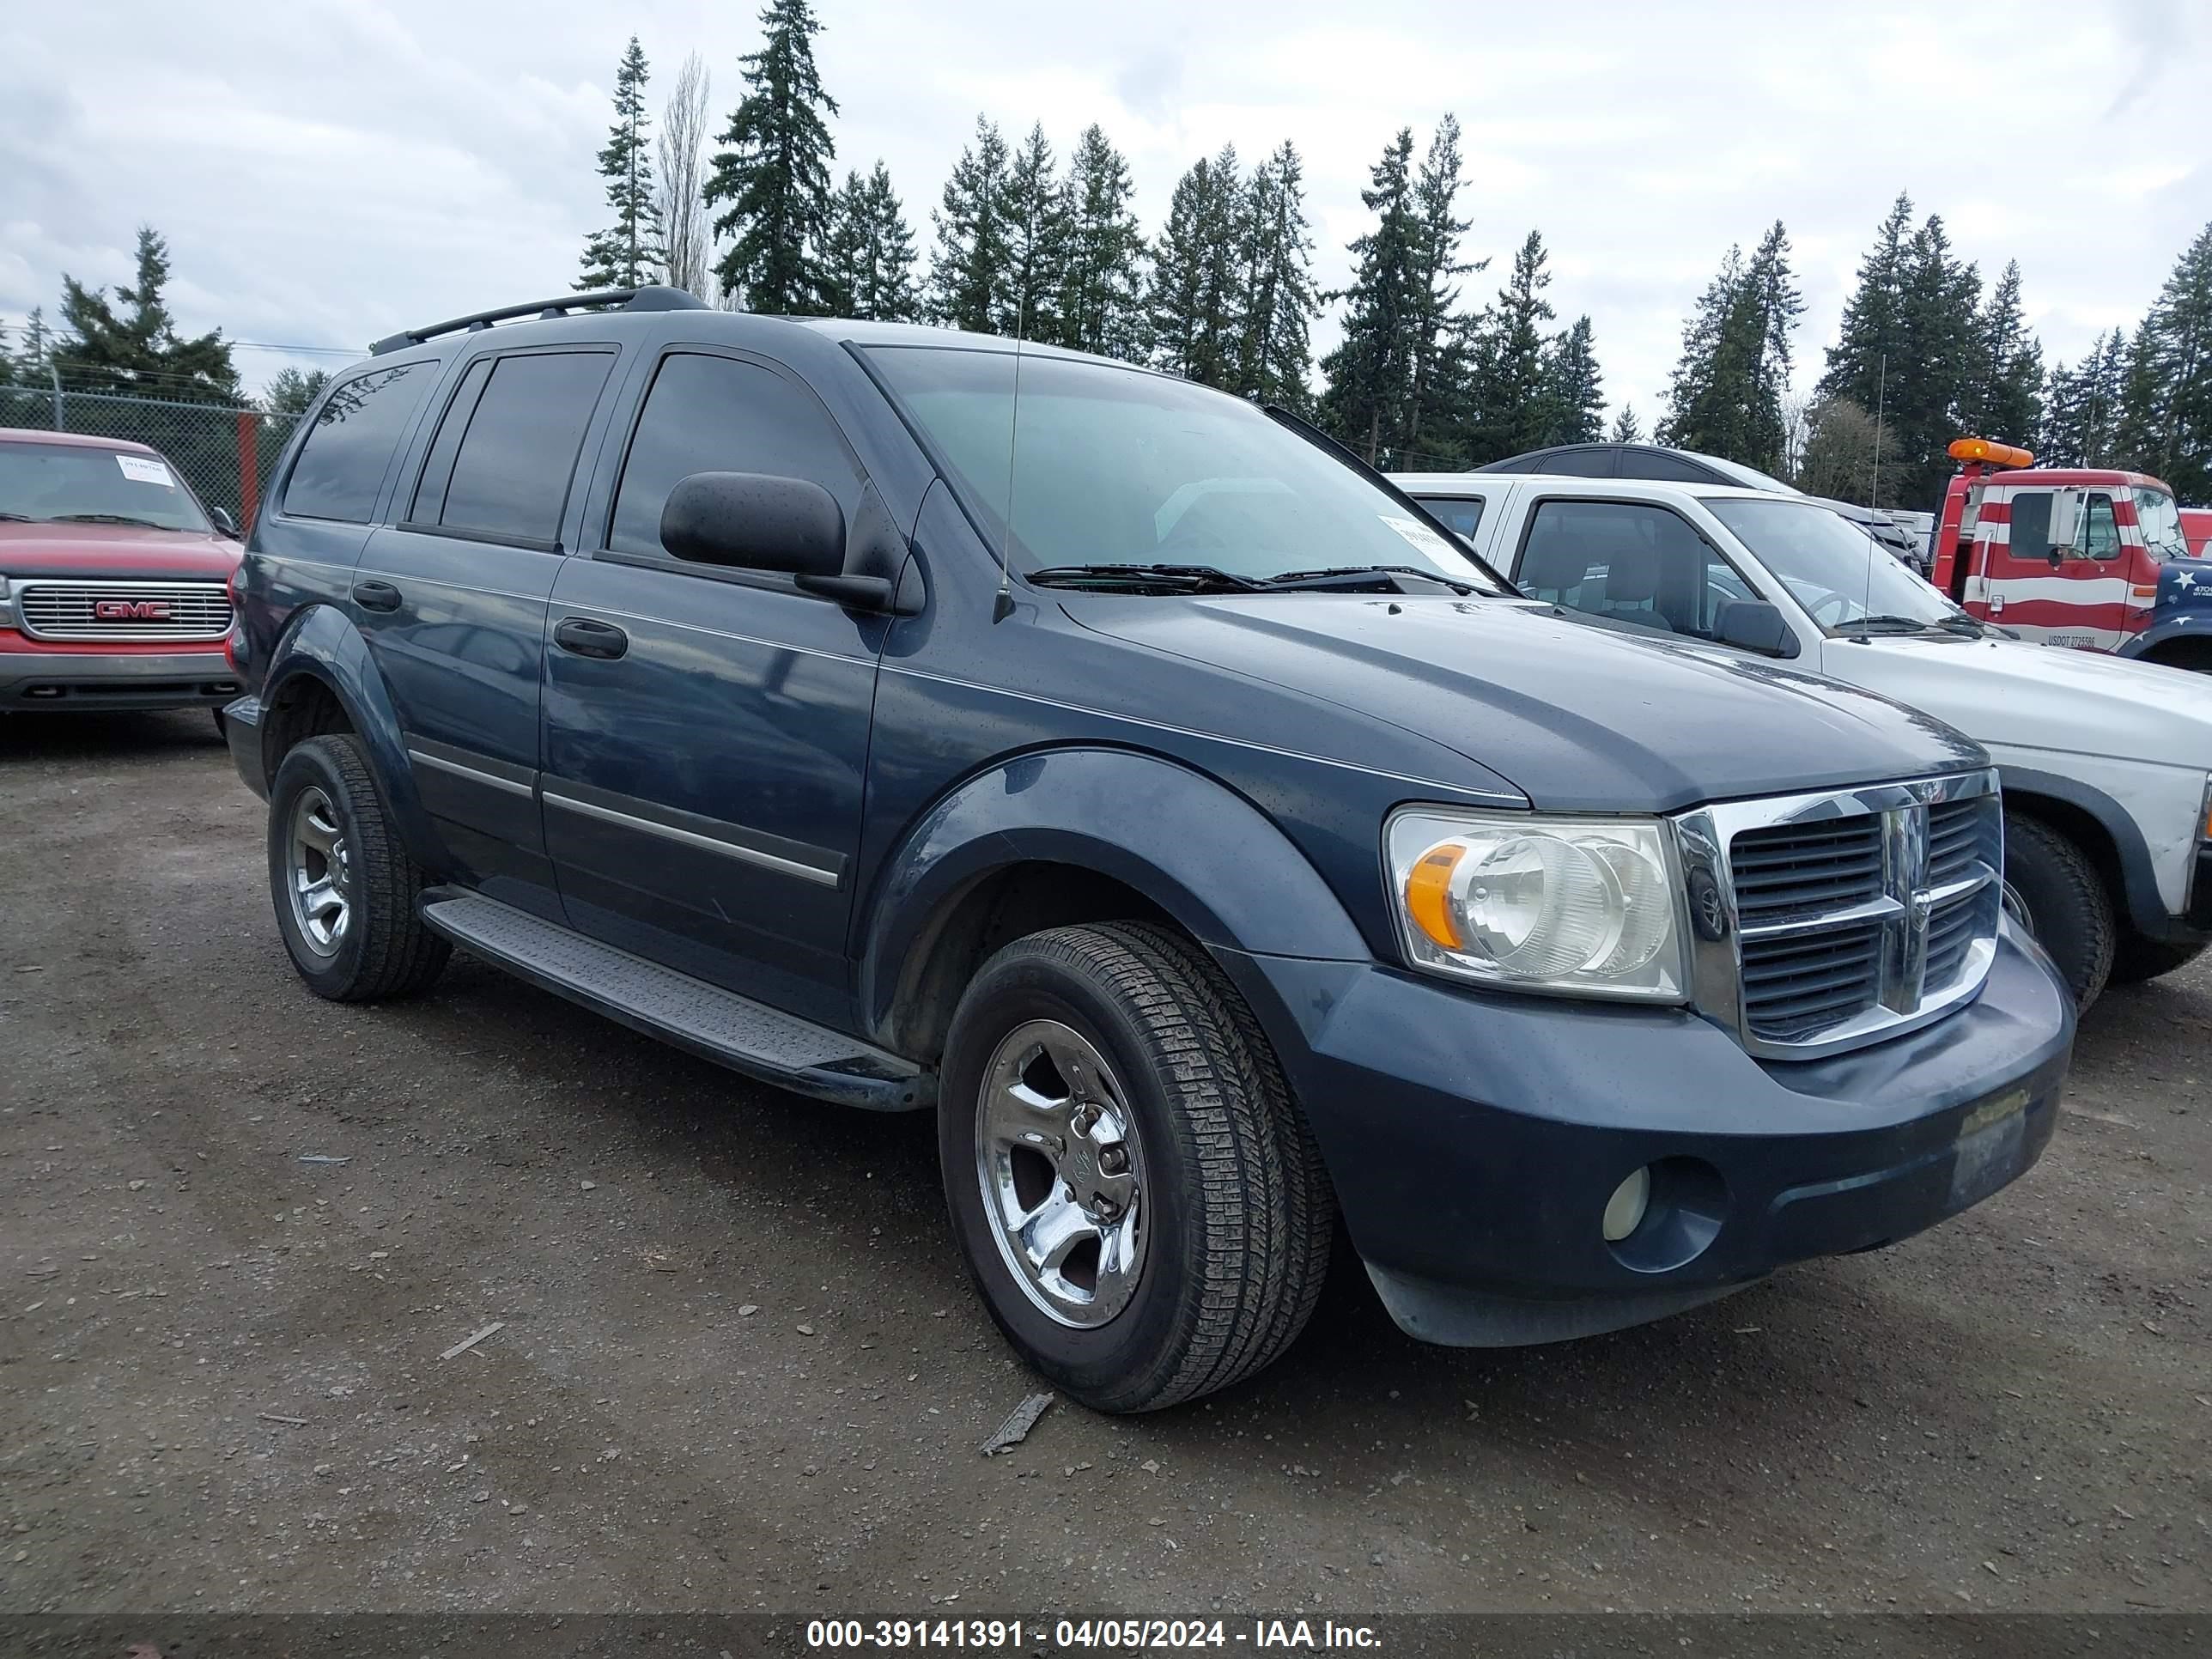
(376, 596)
(587, 638)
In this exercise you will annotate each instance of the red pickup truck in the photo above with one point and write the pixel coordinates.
(113, 579)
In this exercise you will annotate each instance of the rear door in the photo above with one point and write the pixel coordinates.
(452, 599)
(707, 729)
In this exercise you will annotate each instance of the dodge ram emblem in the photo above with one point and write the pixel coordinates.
(131, 609)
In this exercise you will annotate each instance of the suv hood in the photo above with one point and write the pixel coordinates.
(2013, 694)
(1578, 716)
(106, 551)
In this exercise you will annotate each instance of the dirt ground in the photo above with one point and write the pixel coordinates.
(738, 1366)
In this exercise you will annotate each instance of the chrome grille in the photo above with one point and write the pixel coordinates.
(1825, 921)
(104, 610)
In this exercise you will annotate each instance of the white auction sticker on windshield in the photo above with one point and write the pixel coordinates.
(143, 469)
(1419, 535)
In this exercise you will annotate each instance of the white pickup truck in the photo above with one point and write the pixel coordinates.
(2106, 763)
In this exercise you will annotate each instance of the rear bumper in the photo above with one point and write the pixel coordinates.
(1474, 1141)
(115, 679)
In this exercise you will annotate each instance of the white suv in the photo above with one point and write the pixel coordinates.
(2106, 763)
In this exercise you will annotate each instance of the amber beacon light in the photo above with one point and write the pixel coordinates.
(1981, 449)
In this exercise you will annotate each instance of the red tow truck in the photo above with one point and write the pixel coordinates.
(2084, 556)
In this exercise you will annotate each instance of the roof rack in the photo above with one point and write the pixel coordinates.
(651, 298)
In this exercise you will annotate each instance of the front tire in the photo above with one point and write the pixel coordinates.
(1142, 1207)
(344, 889)
(2056, 892)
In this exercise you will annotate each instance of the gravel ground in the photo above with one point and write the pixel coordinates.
(738, 1364)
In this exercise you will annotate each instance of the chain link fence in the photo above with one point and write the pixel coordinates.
(225, 453)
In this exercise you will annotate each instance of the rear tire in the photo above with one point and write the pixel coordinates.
(1217, 1208)
(2064, 902)
(2136, 958)
(346, 893)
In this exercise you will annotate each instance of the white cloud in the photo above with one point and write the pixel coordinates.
(327, 171)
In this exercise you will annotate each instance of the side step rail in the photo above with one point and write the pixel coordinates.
(715, 1024)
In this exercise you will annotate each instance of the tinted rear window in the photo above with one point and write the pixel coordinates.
(510, 473)
(342, 464)
(1463, 514)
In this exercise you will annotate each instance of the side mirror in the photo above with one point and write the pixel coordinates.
(753, 521)
(224, 524)
(1756, 625)
(2065, 524)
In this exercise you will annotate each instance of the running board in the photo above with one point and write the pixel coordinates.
(715, 1024)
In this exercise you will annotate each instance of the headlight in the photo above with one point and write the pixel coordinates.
(1585, 906)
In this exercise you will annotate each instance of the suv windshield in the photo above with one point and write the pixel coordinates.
(2161, 525)
(1833, 568)
(1119, 467)
(77, 483)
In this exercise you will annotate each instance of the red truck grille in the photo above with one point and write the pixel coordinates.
(123, 611)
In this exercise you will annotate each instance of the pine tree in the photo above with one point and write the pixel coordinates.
(1277, 301)
(1625, 429)
(969, 271)
(1573, 399)
(2004, 398)
(1776, 303)
(1101, 305)
(1726, 394)
(1911, 343)
(628, 253)
(141, 347)
(774, 170)
(1195, 321)
(2166, 424)
(33, 356)
(1508, 370)
(1371, 374)
(868, 257)
(2057, 435)
(1037, 242)
(1710, 377)
(291, 391)
(1438, 395)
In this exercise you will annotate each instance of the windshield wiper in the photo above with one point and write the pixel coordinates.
(18, 517)
(105, 518)
(1972, 627)
(1173, 578)
(1884, 625)
(1356, 576)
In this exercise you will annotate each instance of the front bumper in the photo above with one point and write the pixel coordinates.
(1474, 1140)
(115, 679)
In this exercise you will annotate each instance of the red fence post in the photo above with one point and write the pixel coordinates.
(249, 468)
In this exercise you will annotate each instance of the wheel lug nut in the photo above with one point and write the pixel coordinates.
(1114, 1161)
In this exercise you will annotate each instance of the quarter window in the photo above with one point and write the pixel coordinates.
(709, 414)
(499, 465)
(1462, 514)
(342, 464)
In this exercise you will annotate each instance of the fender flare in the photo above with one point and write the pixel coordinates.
(322, 644)
(2187, 625)
(1204, 854)
(2146, 909)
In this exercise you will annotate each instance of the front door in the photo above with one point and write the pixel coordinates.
(451, 600)
(707, 729)
(2084, 600)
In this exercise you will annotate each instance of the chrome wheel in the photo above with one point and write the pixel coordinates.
(317, 874)
(1062, 1173)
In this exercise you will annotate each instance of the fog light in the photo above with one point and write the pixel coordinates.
(1624, 1211)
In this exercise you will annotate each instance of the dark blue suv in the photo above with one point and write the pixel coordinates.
(1126, 774)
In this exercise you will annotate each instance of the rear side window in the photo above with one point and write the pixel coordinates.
(499, 466)
(1663, 469)
(341, 466)
(1463, 514)
(708, 414)
(1576, 464)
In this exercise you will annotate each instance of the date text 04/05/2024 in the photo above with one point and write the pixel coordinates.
(1109, 1634)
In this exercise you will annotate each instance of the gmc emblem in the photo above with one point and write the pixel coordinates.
(131, 610)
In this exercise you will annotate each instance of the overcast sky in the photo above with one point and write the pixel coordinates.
(328, 170)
